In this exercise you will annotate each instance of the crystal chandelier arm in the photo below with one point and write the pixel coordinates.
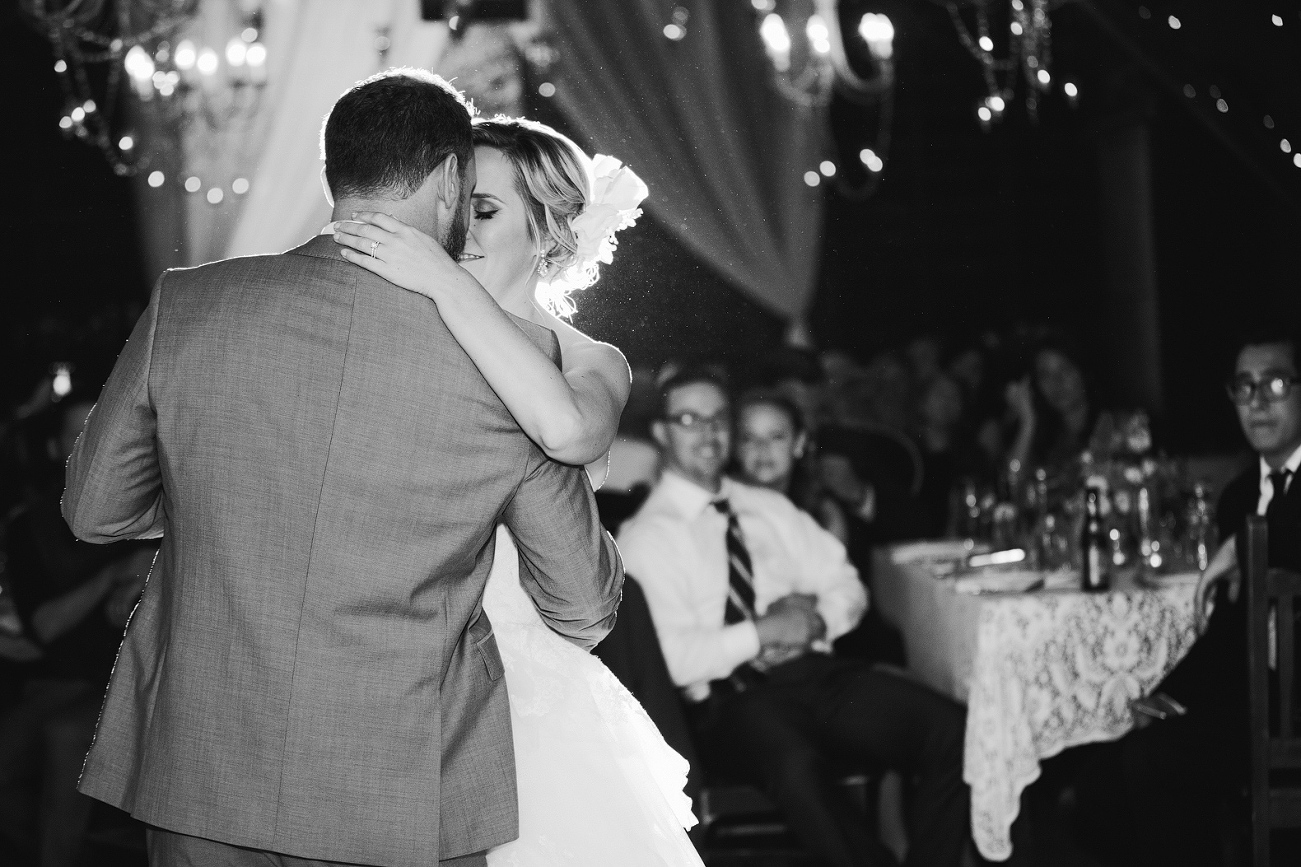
(852, 85)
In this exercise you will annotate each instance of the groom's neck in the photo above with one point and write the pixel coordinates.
(401, 209)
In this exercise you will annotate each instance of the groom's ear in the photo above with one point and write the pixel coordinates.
(325, 185)
(447, 177)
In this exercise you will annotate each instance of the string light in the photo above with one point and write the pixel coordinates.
(828, 169)
(1029, 53)
(1213, 91)
(547, 89)
(239, 186)
(156, 179)
(192, 184)
(812, 179)
(215, 195)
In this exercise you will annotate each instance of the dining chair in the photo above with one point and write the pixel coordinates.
(1275, 732)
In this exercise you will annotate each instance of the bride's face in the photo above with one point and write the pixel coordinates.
(499, 229)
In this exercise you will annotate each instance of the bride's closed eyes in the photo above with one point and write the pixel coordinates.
(485, 206)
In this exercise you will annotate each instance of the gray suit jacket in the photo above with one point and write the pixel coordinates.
(310, 670)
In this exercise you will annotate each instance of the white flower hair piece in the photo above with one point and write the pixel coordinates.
(616, 192)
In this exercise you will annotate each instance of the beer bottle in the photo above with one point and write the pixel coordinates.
(1093, 544)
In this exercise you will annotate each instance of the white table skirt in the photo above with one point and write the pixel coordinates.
(1039, 671)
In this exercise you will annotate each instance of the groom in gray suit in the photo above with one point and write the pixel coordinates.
(309, 676)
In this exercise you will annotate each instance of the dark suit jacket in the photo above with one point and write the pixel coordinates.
(310, 670)
(1212, 679)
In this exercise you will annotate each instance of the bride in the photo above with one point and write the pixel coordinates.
(597, 783)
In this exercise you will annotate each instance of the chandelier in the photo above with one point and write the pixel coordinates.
(806, 70)
(1024, 35)
(179, 85)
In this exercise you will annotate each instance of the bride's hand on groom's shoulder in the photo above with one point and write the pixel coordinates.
(401, 254)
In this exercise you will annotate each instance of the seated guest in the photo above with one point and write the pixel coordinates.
(1054, 414)
(947, 454)
(747, 593)
(772, 451)
(1187, 771)
(866, 459)
(73, 600)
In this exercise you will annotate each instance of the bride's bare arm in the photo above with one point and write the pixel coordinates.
(572, 414)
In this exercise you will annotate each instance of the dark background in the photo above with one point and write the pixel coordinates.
(968, 230)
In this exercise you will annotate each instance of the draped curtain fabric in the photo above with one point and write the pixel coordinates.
(723, 152)
(332, 44)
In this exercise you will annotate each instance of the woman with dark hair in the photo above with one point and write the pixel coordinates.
(1054, 413)
(597, 782)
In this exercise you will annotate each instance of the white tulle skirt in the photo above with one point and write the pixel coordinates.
(598, 785)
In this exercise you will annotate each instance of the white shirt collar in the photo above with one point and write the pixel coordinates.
(689, 498)
(1292, 464)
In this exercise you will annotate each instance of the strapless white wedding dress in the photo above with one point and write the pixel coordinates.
(598, 785)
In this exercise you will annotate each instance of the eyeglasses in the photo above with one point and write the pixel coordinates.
(1242, 389)
(696, 421)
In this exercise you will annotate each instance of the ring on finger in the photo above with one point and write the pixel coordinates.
(374, 245)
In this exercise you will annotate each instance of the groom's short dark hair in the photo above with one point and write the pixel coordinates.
(388, 133)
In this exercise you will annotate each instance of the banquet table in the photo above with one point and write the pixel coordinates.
(1039, 671)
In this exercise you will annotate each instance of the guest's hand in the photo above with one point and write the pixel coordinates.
(1223, 567)
(779, 653)
(1153, 707)
(807, 603)
(404, 256)
(788, 626)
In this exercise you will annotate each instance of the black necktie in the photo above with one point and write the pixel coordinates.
(1278, 479)
(740, 572)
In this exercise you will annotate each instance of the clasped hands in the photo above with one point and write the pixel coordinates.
(788, 628)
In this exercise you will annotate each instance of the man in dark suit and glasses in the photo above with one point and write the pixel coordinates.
(1182, 770)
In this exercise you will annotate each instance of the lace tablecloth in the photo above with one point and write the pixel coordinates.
(1039, 671)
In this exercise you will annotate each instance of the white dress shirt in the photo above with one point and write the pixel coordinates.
(676, 547)
(1267, 491)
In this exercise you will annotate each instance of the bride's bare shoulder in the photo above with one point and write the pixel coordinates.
(579, 350)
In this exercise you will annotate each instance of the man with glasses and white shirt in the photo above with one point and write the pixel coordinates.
(1186, 769)
(747, 593)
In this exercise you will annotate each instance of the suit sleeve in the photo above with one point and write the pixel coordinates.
(114, 487)
(569, 564)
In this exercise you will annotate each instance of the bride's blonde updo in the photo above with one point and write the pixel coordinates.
(552, 177)
(574, 205)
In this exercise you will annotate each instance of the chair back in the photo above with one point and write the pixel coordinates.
(1272, 595)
